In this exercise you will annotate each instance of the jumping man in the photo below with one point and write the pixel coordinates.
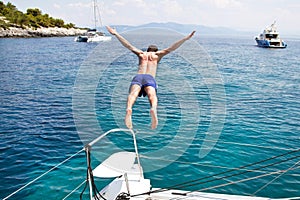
(144, 82)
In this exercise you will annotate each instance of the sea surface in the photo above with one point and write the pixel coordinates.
(229, 119)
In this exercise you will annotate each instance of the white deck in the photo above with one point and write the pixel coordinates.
(179, 194)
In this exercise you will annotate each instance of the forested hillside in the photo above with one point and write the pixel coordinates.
(10, 16)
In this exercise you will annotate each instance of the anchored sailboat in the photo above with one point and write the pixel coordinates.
(92, 35)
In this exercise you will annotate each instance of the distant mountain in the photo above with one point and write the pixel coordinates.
(183, 28)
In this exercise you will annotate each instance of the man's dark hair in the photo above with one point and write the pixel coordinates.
(152, 48)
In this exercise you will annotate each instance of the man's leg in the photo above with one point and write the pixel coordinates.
(151, 93)
(133, 94)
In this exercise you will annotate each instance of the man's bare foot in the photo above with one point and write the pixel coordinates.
(154, 120)
(128, 121)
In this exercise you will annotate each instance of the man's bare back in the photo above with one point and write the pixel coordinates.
(148, 62)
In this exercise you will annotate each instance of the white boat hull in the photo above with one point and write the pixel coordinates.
(99, 39)
(270, 44)
(179, 194)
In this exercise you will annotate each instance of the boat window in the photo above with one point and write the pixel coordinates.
(271, 36)
(275, 43)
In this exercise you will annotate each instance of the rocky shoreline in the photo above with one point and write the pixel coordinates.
(40, 32)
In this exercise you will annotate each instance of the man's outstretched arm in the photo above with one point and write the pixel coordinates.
(177, 44)
(123, 41)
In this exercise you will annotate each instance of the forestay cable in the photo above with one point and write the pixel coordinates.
(275, 178)
(196, 181)
(246, 179)
(34, 180)
(74, 190)
(233, 175)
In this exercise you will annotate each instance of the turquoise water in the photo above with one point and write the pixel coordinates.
(57, 95)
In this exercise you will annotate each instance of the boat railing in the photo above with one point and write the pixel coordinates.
(89, 145)
(88, 148)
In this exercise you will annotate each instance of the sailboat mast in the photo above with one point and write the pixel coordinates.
(95, 17)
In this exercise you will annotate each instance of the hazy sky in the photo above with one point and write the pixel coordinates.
(249, 15)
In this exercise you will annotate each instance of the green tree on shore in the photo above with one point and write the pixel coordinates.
(33, 18)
